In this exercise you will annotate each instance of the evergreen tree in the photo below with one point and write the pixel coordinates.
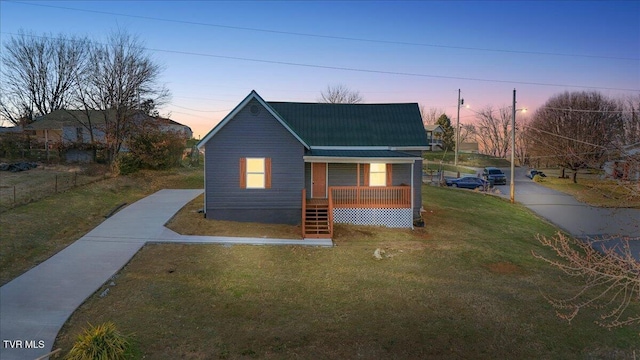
(448, 138)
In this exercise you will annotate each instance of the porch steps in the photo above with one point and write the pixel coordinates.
(316, 221)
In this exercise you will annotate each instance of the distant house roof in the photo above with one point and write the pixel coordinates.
(318, 125)
(62, 117)
(433, 128)
(59, 118)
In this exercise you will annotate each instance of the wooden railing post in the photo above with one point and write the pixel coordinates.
(304, 210)
(330, 212)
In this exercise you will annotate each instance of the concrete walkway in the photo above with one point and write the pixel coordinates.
(35, 305)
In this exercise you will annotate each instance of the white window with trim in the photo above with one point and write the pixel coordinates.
(377, 174)
(256, 174)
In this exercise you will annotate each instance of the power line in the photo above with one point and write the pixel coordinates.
(341, 68)
(585, 111)
(186, 108)
(333, 37)
(385, 72)
(563, 137)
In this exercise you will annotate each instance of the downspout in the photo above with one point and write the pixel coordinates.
(204, 208)
(412, 195)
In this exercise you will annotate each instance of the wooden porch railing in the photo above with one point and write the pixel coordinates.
(370, 196)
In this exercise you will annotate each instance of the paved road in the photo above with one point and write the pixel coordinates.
(35, 305)
(578, 219)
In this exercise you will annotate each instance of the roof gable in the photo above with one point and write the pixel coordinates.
(252, 95)
(355, 125)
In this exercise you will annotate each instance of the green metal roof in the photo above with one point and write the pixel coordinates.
(320, 124)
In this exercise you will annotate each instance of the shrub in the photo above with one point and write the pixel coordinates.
(126, 164)
(537, 178)
(101, 342)
(157, 150)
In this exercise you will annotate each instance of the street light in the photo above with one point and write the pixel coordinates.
(512, 190)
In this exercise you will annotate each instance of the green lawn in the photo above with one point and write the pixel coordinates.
(34, 232)
(465, 286)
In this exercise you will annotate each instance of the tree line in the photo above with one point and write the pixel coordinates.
(107, 81)
(572, 130)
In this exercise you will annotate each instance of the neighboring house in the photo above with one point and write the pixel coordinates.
(171, 125)
(627, 167)
(434, 136)
(11, 130)
(315, 164)
(68, 126)
(469, 147)
(71, 127)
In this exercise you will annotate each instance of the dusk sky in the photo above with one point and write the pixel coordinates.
(214, 53)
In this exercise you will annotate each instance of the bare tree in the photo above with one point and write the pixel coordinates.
(467, 133)
(630, 120)
(583, 130)
(493, 130)
(523, 139)
(38, 74)
(610, 279)
(576, 130)
(120, 73)
(430, 116)
(340, 94)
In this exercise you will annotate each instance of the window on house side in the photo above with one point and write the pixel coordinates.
(377, 174)
(255, 173)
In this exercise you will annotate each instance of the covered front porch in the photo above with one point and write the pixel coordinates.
(359, 187)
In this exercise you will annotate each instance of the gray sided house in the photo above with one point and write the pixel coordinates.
(434, 136)
(315, 164)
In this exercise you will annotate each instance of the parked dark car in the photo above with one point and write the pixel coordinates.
(531, 173)
(468, 182)
(494, 176)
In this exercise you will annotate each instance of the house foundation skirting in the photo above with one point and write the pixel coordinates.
(396, 218)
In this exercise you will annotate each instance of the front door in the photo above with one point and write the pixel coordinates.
(319, 180)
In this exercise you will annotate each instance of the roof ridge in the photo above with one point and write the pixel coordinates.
(339, 104)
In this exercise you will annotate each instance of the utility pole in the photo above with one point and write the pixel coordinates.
(513, 150)
(455, 161)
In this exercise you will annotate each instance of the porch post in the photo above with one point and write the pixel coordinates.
(412, 166)
(358, 183)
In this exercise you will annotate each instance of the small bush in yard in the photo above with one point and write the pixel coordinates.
(101, 342)
(538, 178)
(156, 150)
(126, 164)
